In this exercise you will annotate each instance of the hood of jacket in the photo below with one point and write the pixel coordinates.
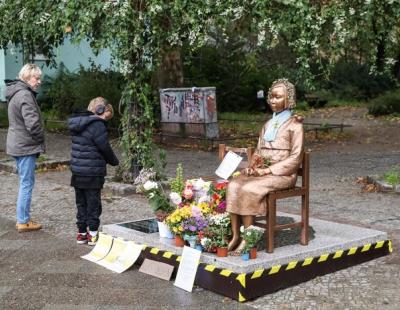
(12, 87)
(80, 120)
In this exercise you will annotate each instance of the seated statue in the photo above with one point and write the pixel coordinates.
(273, 166)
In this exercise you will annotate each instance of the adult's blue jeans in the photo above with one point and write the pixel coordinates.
(26, 172)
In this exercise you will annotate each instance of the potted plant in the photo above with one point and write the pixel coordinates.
(219, 229)
(193, 225)
(251, 235)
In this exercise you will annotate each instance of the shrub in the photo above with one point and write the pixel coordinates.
(3, 118)
(387, 103)
(67, 91)
(351, 80)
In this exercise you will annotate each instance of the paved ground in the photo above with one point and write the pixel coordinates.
(43, 270)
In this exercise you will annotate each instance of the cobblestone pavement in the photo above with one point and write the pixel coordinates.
(334, 196)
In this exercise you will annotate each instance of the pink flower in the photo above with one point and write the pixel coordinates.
(188, 193)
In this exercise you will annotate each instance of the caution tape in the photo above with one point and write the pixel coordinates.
(244, 280)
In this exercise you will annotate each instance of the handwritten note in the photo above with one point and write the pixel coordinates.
(228, 165)
(187, 269)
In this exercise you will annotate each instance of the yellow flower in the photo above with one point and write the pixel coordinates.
(236, 174)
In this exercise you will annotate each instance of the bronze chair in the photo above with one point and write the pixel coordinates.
(270, 216)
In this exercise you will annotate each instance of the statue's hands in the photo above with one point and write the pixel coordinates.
(258, 172)
(247, 171)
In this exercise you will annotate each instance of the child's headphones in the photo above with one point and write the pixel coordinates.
(100, 109)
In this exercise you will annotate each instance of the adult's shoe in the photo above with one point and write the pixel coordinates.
(30, 226)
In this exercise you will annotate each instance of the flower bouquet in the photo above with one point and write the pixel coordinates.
(217, 233)
(158, 200)
(217, 195)
(160, 204)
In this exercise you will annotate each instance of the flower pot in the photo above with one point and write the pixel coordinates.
(191, 240)
(253, 253)
(245, 256)
(164, 230)
(222, 252)
(179, 242)
(199, 247)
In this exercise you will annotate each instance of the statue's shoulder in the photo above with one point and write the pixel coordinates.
(297, 118)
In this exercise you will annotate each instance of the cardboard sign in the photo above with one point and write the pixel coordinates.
(187, 268)
(157, 269)
(228, 165)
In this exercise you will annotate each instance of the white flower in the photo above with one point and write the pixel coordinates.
(149, 185)
(241, 229)
(205, 198)
(204, 241)
(198, 184)
(175, 198)
(151, 195)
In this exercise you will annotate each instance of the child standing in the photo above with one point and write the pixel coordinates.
(90, 154)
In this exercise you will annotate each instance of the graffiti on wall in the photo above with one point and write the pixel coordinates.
(187, 105)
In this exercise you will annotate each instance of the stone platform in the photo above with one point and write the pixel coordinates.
(334, 246)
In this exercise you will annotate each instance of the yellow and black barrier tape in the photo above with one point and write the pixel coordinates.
(323, 258)
(246, 280)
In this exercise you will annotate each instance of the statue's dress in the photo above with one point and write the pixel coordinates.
(245, 195)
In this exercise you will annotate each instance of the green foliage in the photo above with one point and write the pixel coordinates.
(67, 91)
(302, 106)
(177, 184)
(137, 124)
(312, 33)
(387, 103)
(59, 92)
(3, 118)
(252, 235)
(393, 175)
(353, 81)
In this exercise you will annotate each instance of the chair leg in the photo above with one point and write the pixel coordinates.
(304, 220)
(271, 224)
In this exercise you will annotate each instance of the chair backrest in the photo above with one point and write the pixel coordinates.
(248, 151)
(304, 170)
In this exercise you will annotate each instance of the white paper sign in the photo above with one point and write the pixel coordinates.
(122, 255)
(228, 165)
(187, 268)
(101, 249)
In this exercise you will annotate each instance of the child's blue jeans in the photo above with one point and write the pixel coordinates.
(26, 172)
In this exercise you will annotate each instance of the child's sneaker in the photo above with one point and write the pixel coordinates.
(81, 238)
(92, 239)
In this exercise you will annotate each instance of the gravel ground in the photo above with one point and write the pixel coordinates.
(371, 147)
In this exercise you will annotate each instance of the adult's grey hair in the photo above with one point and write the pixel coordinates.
(28, 71)
(290, 92)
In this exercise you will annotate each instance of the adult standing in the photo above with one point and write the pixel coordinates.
(25, 138)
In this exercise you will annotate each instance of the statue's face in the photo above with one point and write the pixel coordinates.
(278, 98)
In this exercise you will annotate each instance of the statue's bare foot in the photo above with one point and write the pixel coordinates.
(238, 251)
(233, 243)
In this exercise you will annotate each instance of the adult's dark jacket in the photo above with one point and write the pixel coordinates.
(91, 151)
(25, 134)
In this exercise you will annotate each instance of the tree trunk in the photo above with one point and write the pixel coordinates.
(170, 72)
(396, 67)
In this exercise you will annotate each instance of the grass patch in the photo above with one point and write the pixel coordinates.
(393, 175)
